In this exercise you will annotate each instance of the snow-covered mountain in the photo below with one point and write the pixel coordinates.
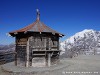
(88, 39)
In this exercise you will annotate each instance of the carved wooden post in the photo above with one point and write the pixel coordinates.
(27, 53)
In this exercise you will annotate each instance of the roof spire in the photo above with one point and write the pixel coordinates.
(38, 14)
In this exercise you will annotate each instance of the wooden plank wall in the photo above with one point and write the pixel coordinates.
(21, 51)
(42, 42)
(36, 42)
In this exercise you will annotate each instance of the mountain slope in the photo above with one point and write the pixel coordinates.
(88, 39)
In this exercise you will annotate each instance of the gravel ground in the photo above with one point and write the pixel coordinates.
(81, 65)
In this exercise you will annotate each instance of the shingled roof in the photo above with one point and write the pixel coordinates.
(37, 26)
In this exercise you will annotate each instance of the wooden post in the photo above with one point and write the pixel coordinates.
(49, 59)
(49, 43)
(15, 59)
(27, 53)
(58, 43)
(16, 52)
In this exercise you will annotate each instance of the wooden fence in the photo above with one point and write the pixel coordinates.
(7, 57)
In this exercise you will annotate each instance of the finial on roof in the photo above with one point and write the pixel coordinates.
(38, 14)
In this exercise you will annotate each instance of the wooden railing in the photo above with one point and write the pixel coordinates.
(7, 57)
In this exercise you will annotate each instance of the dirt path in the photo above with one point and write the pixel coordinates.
(81, 65)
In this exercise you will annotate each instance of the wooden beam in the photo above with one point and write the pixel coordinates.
(15, 33)
(16, 52)
(49, 60)
(27, 53)
(49, 43)
(25, 32)
(16, 59)
(40, 32)
(58, 43)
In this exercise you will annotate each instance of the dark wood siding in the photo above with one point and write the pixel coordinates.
(21, 50)
(39, 45)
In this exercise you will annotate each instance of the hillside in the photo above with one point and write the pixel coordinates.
(86, 41)
(7, 48)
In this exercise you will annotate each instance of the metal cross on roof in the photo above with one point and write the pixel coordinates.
(38, 14)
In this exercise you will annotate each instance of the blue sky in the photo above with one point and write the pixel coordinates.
(65, 16)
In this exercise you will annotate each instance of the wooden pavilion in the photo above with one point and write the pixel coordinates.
(36, 45)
